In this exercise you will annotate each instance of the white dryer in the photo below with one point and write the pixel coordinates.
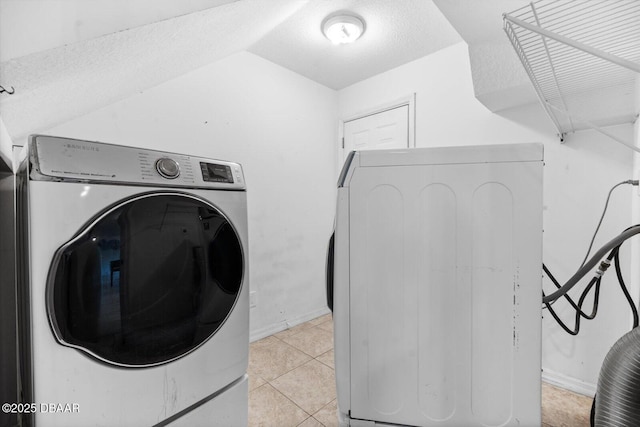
(434, 279)
(132, 287)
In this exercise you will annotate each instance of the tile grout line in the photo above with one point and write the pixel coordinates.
(305, 411)
(324, 425)
(316, 358)
(315, 419)
(301, 350)
(286, 397)
(319, 409)
(292, 369)
(312, 358)
(302, 364)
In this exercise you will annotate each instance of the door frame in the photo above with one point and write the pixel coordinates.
(409, 100)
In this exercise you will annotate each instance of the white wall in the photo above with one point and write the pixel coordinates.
(578, 176)
(281, 128)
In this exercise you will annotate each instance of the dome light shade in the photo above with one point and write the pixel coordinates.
(343, 29)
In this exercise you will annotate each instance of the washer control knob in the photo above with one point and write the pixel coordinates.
(168, 168)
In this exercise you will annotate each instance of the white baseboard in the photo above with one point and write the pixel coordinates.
(563, 381)
(269, 330)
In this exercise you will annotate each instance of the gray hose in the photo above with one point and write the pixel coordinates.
(595, 259)
(618, 396)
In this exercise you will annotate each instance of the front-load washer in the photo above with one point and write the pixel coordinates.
(132, 287)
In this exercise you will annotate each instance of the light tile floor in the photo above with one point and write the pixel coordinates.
(292, 383)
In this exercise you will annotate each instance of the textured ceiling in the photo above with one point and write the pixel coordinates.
(61, 83)
(478, 21)
(499, 80)
(396, 32)
(66, 58)
(33, 26)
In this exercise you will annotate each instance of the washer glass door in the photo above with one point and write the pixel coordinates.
(147, 281)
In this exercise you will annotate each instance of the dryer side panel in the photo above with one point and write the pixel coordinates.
(445, 294)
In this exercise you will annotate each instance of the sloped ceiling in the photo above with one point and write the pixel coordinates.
(66, 58)
(499, 80)
(77, 72)
(34, 26)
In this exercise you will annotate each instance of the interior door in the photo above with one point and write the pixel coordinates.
(386, 129)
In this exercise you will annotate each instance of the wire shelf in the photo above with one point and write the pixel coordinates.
(583, 58)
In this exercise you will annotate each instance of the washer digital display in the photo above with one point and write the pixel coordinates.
(212, 172)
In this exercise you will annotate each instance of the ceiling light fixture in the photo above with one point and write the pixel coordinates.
(341, 29)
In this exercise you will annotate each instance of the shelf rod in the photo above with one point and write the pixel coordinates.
(595, 127)
(552, 67)
(580, 46)
(508, 28)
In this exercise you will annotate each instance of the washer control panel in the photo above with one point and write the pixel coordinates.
(55, 158)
